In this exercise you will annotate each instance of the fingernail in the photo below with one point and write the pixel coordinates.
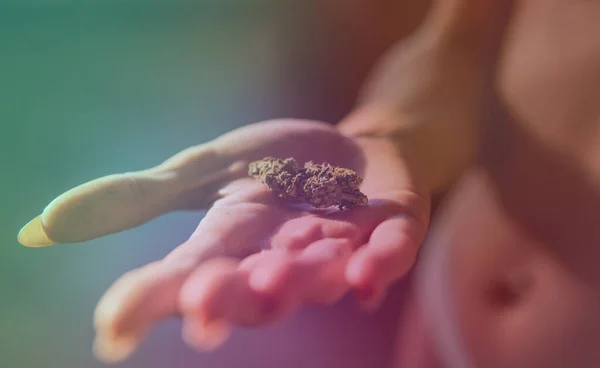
(206, 336)
(33, 234)
(115, 350)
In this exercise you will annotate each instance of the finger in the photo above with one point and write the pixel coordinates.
(202, 327)
(203, 335)
(128, 309)
(352, 224)
(314, 275)
(299, 233)
(358, 222)
(389, 254)
(218, 294)
(141, 297)
(117, 202)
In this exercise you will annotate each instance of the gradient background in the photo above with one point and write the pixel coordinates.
(90, 88)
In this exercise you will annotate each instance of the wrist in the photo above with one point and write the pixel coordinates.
(386, 168)
(371, 120)
(430, 156)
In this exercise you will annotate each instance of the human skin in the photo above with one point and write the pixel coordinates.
(518, 238)
(148, 299)
(531, 151)
(363, 348)
(400, 172)
(393, 153)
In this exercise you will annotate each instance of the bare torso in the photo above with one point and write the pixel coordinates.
(519, 237)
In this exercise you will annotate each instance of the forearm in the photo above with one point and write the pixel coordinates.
(428, 94)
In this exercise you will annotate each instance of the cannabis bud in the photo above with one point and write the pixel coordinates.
(321, 185)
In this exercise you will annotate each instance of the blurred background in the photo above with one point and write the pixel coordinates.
(89, 88)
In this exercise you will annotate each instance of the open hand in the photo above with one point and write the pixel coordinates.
(253, 258)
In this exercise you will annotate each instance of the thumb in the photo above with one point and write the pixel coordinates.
(118, 202)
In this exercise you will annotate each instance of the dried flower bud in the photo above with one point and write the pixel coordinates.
(321, 185)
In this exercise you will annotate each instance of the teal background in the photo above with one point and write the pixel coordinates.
(90, 88)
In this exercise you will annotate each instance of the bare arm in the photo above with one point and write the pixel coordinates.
(428, 94)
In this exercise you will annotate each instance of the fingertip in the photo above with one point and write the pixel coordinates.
(112, 350)
(106, 317)
(119, 300)
(205, 283)
(205, 336)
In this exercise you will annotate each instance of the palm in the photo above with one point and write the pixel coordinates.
(244, 217)
(248, 218)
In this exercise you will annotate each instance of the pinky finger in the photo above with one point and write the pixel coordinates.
(390, 253)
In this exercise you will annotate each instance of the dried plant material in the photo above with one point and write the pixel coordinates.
(321, 185)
